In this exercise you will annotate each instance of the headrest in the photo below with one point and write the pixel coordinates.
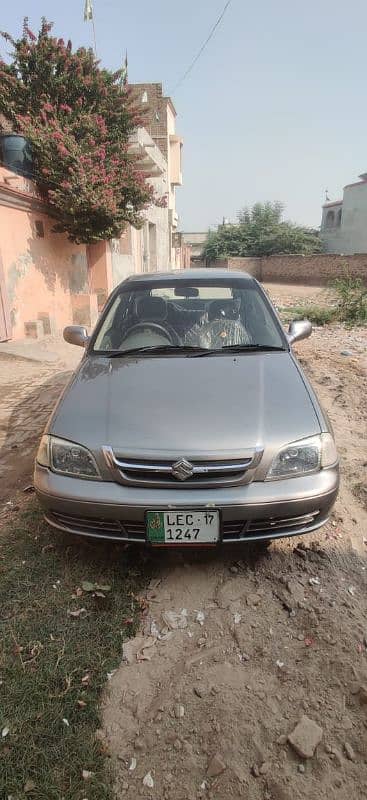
(224, 309)
(150, 309)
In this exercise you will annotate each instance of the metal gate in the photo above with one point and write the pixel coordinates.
(5, 328)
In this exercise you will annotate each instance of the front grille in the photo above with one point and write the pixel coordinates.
(276, 523)
(232, 531)
(248, 529)
(196, 473)
(90, 526)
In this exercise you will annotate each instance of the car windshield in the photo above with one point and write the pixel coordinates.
(188, 316)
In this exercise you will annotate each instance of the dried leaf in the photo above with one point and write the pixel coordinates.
(102, 587)
(87, 586)
(148, 780)
(66, 722)
(81, 703)
(132, 766)
(29, 786)
(77, 613)
(86, 775)
(86, 679)
(99, 594)
(4, 732)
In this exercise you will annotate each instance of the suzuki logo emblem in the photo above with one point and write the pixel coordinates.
(182, 470)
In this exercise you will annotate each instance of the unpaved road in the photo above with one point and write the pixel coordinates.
(206, 710)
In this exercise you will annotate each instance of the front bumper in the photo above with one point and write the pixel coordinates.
(253, 512)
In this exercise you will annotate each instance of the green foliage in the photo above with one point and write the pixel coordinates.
(78, 119)
(261, 231)
(352, 299)
(319, 315)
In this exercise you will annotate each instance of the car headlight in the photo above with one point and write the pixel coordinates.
(67, 458)
(304, 457)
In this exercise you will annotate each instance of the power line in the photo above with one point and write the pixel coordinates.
(203, 46)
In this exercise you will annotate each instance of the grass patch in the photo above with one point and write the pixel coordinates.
(319, 315)
(53, 666)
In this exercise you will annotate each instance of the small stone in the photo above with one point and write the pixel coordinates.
(216, 766)
(337, 756)
(171, 737)
(301, 553)
(362, 694)
(296, 589)
(200, 691)
(328, 748)
(282, 739)
(139, 744)
(301, 768)
(346, 353)
(265, 768)
(201, 642)
(349, 751)
(253, 599)
(233, 569)
(255, 771)
(177, 744)
(305, 737)
(179, 711)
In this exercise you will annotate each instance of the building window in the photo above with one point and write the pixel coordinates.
(16, 154)
(40, 231)
(339, 218)
(330, 219)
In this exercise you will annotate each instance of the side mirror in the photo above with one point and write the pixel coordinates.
(76, 334)
(299, 329)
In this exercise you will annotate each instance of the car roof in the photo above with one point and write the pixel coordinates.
(204, 274)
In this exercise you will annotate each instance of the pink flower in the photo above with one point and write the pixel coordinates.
(48, 107)
(62, 150)
(66, 108)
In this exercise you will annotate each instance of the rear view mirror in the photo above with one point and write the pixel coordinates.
(76, 334)
(186, 291)
(299, 329)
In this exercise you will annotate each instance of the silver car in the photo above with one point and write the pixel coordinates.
(189, 421)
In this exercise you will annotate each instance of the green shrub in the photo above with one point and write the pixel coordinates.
(351, 300)
(319, 315)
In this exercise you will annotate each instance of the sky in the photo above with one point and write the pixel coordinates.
(275, 108)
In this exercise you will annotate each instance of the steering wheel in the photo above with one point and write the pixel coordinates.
(168, 333)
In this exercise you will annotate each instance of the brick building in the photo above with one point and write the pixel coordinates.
(159, 118)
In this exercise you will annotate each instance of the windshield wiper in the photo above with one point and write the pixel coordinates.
(239, 348)
(158, 349)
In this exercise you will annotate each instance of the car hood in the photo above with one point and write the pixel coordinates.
(177, 406)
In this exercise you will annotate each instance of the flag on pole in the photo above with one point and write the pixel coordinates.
(88, 10)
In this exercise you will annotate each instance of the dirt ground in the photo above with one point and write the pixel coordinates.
(29, 389)
(204, 710)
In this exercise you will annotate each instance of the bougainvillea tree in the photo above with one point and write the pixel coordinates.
(78, 119)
